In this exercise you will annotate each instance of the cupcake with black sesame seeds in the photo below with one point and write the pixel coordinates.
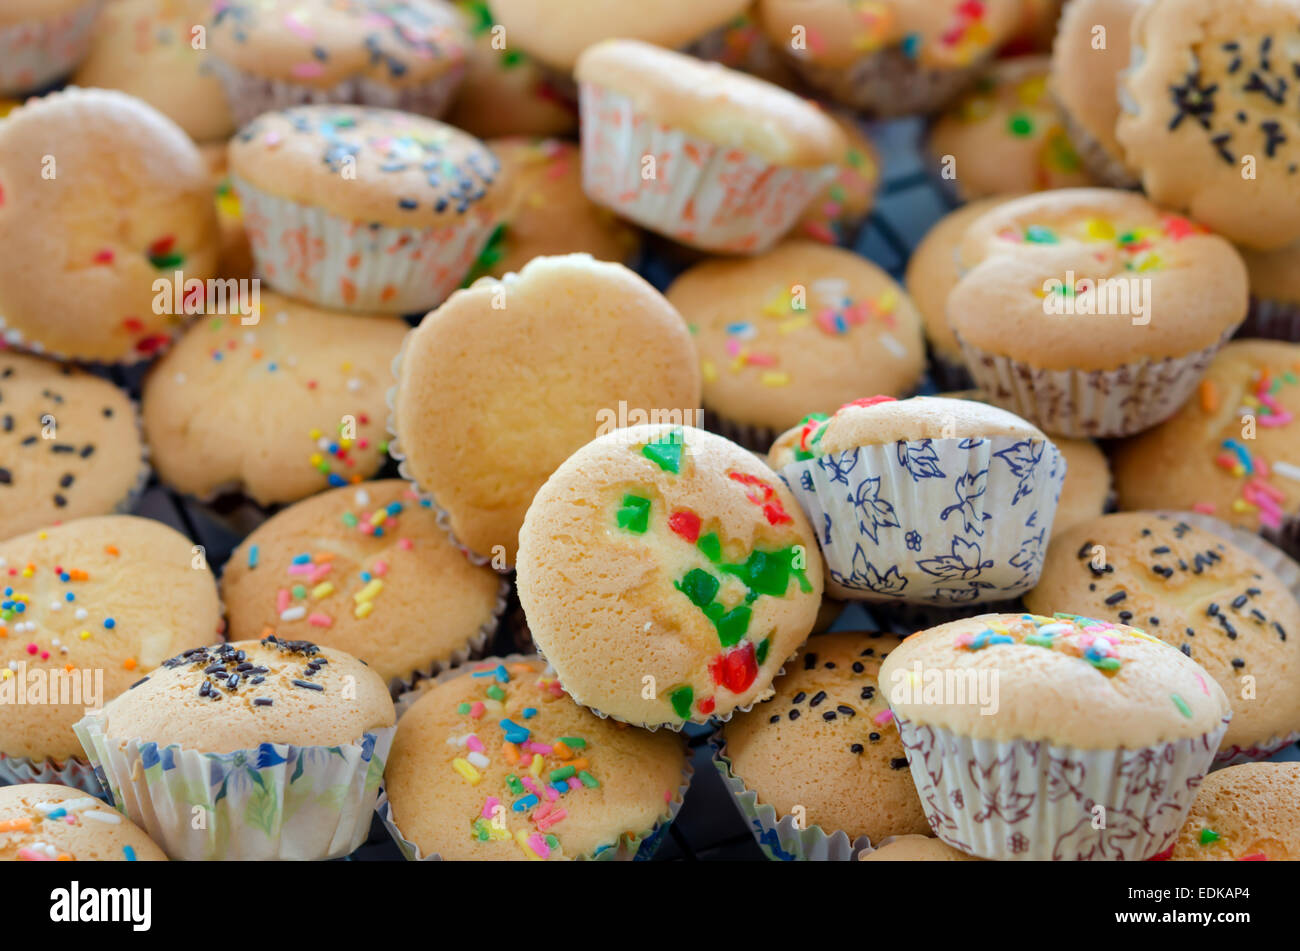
(277, 745)
(364, 209)
(818, 771)
(42, 40)
(273, 54)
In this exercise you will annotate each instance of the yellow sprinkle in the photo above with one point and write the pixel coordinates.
(85, 635)
(466, 769)
(1031, 91)
(6, 674)
(369, 591)
(315, 434)
(1241, 505)
(1149, 263)
(1238, 470)
(43, 535)
(345, 443)
(27, 572)
(1101, 230)
(710, 371)
(521, 836)
(322, 590)
(535, 767)
(887, 301)
(316, 459)
(739, 362)
(347, 366)
(379, 517)
(363, 609)
(775, 378)
(793, 324)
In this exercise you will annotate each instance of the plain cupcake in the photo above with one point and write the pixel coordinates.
(42, 41)
(1274, 293)
(1091, 311)
(707, 156)
(278, 745)
(495, 763)
(818, 771)
(798, 329)
(1243, 814)
(1059, 716)
(45, 823)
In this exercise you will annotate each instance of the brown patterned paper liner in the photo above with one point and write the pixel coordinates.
(305, 252)
(757, 439)
(701, 194)
(1090, 403)
(73, 771)
(1272, 320)
(948, 376)
(1035, 801)
(250, 96)
(780, 838)
(1100, 164)
(34, 54)
(888, 83)
(1286, 536)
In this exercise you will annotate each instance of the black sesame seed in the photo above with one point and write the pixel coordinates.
(846, 710)
(856, 748)
(1116, 598)
(1238, 663)
(817, 698)
(873, 737)
(1126, 616)
(307, 685)
(263, 702)
(800, 697)
(1239, 601)
(137, 683)
(898, 762)
(828, 715)
(858, 667)
(794, 714)
(1186, 649)
(774, 718)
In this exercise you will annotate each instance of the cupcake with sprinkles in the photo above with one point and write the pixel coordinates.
(1019, 728)
(818, 771)
(42, 40)
(496, 763)
(44, 823)
(1209, 114)
(364, 209)
(273, 54)
(366, 569)
(837, 214)
(278, 745)
(1274, 294)
(1243, 814)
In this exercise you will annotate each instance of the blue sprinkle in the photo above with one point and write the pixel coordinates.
(129, 852)
(302, 559)
(379, 532)
(365, 576)
(503, 675)
(514, 732)
(526, 803)
(69, 597)
(8, 591)
(530, 712)
(109, 623)
(394, 508)
(912, 45)
(273, 367)
(65, 577)
(426, 503)
(560, 788)
(336, 481)
(20, 607)
(252, 557)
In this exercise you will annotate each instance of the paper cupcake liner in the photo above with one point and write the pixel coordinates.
(1272, 320)
(473, 650)
(888, 83)
(308, 253)
(1091, 403)
(947, 376)
(73, 771)
(1099, 163)
(250, 95)
(1034, 801)
(754, 438)
(932, 521)
(35, 53)
(1286, 536)
(780, 838)
(905, 619)
(276, 802)
(701, 194)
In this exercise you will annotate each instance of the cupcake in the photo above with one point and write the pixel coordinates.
(41, 41)
(1022, 730)
(495, 763)
(1274, 293)
(365, 569)
(704, 155)
(801, 328)
(279, 404)
(547, 213)
(1215, 602)
(85, 609)
(741, 44)
(666, 574)
(274, 54)
(1005, 136)
(1038, 26)
(1089, 58)
(1206, 114)
(893, 58)
(101, 198)
(915, 848)
(1087, 491)
(1243, 814)
(928, 500)
(69, 443)
(565, 350)
(364, 209)
(933, 271)
(248, 750)
(818, 771)
(44, 823)
(146, 48)
(1091, 312)
(838, 213)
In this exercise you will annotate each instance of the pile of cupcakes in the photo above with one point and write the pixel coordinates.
(565, 443)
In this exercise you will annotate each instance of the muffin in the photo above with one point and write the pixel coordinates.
(845, 783)
(43, 823)
(70, 445)
(1005, 136)
(928, 500)
(704, 155)
(1274, 293)
(503, 733)
(1091, 312)
(287, 767)
(837, 214)
(916, 848)
(547, 212)
(1021, 730)
(565, 350)
(666, 574)
(801, 328)
(893, 58)
(368, 570)
(1231, 451)
(280, 407)
(101, 197)
(1243, 814)
(1206, 114)
(1089, 58)
(85, 609)
(1215, 602)
(741, 44)
(273, 54)
(146, 48)
(1087, 491)
(364, 209)
(41, 41)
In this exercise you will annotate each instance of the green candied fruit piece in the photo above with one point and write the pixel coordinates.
(710, 546)
(700, 586)
(666, 452)
(634, 514)
(767, 572)
(681, 699)
(760, 654)
(1209, 836)
(731, 625)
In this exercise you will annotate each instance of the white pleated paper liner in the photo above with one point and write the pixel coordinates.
(277, 802)
(306, 252)
(1090, 403)
(1035, 801)
(73, 771)
(781, 839)
(949, 522)
(698, 193)
(34, 53)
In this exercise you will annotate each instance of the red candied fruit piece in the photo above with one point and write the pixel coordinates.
(736, 669)
(685, 523)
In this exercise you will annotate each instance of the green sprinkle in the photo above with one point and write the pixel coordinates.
(574, 742)
(681, 699)
(514, 785)
(1037, 234)
(666, 452)
(496, 693)
(1208, 836)
(1181, 704)
(299, 592)
(760, 654)
(710, 546)
(635, 514)
(561, 774)
(698, 585)
(1021, 125)
(552, 842)
(1109, 663)
(349, 520)
(463, 709)
(1038, 640)
(588, 780)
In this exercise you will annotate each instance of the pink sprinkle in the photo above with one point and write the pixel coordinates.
(541, 748)
(307, 70)
(525, 760)
(404, 544)
(1274, 420)
(320, 620)
(541, 811)
(538, 845)
(32, 649)
(530, 785)
(476, 710)
(761, 360)
(1205, 508)
(668, 795)
(474, 743)
(298, 28)
(883, 717)
(301, 569)
(31, 855)
(489, 807)
(282, 600)
(551, 794)
(575, 782)
(733, 347)
(1204, 689)
(380, 569)
(321, 571)
(559, 815)
(45, 655)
